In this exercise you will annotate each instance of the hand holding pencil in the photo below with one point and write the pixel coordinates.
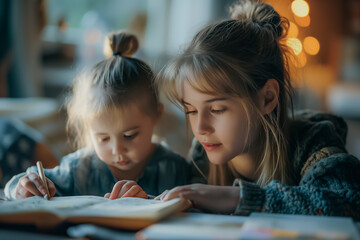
(33, 184)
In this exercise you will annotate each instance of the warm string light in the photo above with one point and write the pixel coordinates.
(300, 8)
(293, 30)
(310, 45)
(295, 44)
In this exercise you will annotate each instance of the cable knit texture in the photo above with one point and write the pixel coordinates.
(327, 177)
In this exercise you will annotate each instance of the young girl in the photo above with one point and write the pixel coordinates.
(112, 114)
(233, 84)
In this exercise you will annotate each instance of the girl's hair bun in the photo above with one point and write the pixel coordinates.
(121, 43)
(258, 13)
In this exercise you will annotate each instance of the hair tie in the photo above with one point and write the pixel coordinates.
(116, 53)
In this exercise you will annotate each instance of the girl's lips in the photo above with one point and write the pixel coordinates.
(123, 163)
(211, 146)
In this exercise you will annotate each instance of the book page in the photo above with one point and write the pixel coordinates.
(127, 207)
(56, 205)
(88, 206)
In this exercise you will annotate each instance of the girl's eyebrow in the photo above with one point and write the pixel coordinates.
(101, 134)
(126, 130)
(131, 128)
(186, 103)
(215, 99)
(208, 101)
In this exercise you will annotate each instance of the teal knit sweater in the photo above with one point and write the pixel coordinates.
(327, 177)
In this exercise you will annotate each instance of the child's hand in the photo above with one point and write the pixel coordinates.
(217, 199)
(126, 188)
(32, 185)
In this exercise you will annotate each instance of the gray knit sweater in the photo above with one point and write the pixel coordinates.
(327, 177)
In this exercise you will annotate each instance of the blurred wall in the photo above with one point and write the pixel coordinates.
(44, 63)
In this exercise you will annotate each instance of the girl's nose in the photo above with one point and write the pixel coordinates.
(203, 125)
(118, 148)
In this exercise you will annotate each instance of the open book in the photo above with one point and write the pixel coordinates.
(124, 213)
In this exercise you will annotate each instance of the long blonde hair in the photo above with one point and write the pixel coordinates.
(235, 58)
(110, 85)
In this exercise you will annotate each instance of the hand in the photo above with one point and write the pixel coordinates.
(126, 188)
(217, 199)
(32, 185)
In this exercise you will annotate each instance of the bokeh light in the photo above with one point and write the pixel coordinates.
(301, 60)
(302, 21)
(295, 45)
(300, 8)
(293, 30)
(311, 45)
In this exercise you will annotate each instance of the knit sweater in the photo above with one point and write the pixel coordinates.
(81, 174)
(327, 178)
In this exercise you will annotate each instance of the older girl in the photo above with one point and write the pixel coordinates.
(233, 84)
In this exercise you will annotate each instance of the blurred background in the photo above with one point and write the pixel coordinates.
(46, 43)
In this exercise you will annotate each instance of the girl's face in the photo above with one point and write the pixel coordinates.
(123, 140)
(219, 123)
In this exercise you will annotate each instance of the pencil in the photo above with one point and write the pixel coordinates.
(43, 178)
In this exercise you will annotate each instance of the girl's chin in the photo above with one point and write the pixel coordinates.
(218, 159)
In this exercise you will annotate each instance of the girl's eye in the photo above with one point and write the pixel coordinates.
(131, 136)
(105, 139)
(190, 112)
(218, 111)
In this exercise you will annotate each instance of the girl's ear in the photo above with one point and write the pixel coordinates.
(269, 96)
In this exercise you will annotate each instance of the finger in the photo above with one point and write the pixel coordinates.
(161, 196)
(39, 184)
(133, 191)
(116, 189)
(21, 192)
(107, 195)
(28, 194)
(126, 187)
(142, 194)
(29, 184)
(174, 193)
(178, 191)
(51, 186)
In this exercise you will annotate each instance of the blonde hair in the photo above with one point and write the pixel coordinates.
(235, 58)
(111, 84)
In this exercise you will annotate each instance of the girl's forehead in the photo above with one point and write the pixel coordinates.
(192, 89)
(204, 76)
(119, 118)
(113, 113)
(197, 95)
(198, 85)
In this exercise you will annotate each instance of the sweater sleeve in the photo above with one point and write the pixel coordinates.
(10, 186)
(329, 187)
